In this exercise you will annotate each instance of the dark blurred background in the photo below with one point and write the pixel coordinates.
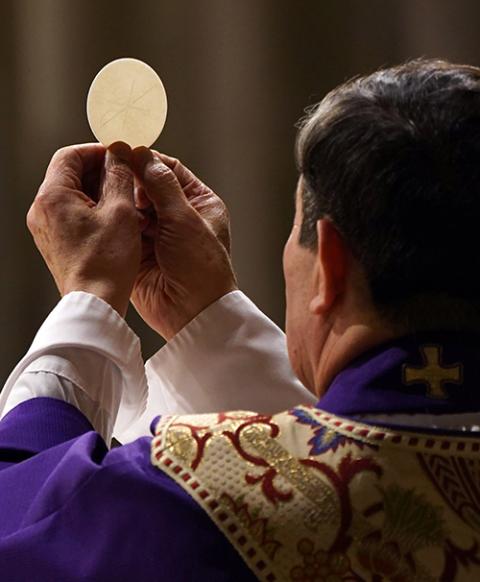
(238, 75)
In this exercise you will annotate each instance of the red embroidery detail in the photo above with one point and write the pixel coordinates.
(340, 479)
(373, 548)
(268, 487)
(257, 526)
(266, 479)
(455, 555)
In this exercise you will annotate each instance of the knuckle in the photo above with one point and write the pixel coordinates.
(49, 198)
(170, 161)
(62, 153)
(225, 212)
(175, 163)
(46, 203)
(49, 205)
(32, 217)
(221, 206)
(160, 173)
(40, 204)
(219, 210)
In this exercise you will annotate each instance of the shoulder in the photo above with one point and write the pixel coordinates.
(338, 484)
(303, 430)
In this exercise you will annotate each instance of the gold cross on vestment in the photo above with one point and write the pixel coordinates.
(433, 373)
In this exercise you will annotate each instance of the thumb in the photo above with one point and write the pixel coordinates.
(117, 183)
(160, 183)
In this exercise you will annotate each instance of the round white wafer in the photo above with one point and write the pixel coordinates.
(127, 102)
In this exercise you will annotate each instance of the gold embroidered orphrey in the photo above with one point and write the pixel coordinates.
(306, 495)
(433, 373)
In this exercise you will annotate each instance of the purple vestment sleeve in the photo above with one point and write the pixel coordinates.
(39, 424)
(73, 510)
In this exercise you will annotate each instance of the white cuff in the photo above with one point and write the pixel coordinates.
(82, 320)
(230, 357)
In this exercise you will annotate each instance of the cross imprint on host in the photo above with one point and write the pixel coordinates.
(433, 373)
(125, 107)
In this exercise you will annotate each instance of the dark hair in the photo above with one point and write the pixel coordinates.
(393, 160)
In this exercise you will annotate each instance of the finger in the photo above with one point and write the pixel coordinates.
(160, 183)
(141, 199)
(145, 209)
(117, 183)
(69, 165)
(192, 186)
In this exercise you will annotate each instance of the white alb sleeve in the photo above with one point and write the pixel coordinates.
(230, 357)
(96, 357)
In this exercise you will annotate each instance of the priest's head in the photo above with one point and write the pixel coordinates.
(386, 234)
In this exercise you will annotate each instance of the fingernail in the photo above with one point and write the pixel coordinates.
(141, 156)
(121, 151)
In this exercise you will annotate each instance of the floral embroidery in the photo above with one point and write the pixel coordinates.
(304, 495)
(319, 565)
(324, 437)
(410, 524)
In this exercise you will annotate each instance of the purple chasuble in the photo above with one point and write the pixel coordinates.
(73, 510)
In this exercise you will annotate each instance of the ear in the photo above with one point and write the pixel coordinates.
(331, 267)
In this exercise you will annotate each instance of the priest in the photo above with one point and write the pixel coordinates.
(376, 481)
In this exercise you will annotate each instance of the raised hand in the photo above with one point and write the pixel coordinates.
(185, 262)
(85, 224)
